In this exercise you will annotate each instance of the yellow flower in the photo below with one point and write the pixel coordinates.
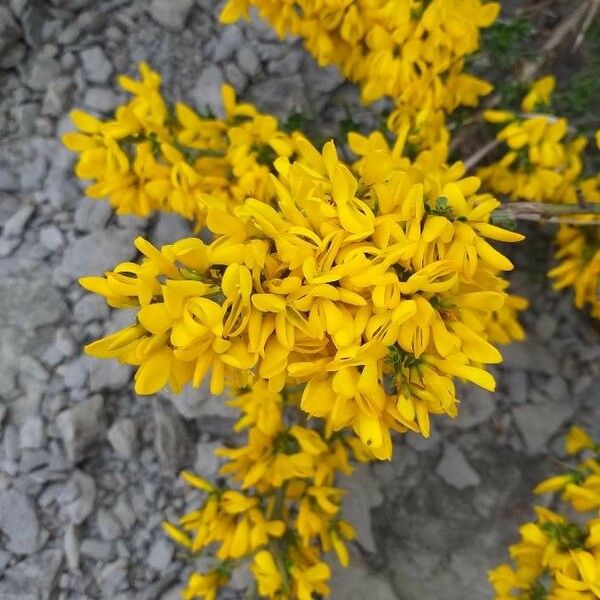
(539, 94)
(204, 586)
(267, 574)
(577, 440)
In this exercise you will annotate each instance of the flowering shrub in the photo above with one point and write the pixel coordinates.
(335, 301)
(412, 52)
(558, 555)
(544, 163)
(152, 156)
(355, 294)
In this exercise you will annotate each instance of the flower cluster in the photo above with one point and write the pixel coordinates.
(543, 163)
(558, 558)
(373, 288)
(578, 254)
(352, 293)
(151, 156)
(286, 512)
(412, 51)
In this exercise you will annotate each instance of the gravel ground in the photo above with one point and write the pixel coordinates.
(88, 471)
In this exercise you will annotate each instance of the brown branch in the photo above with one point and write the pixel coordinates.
(568, 24)
(563, 214)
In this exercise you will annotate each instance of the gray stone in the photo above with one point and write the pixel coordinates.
(206, 462)
(33, 578)
(123, 437)
(97, 549)
(538, 423)
(557, 389)
(80, 497)
(9, 30)
(33, 176)
(40, 72)
(81, 426)
(171, 14)
(71, 547)
(422, 444)
(108, 524)
(363, 493)
(235, 77)
(98, 252)
(69, 34)
(13, 56)
(171, 440)
(12, 342)
(546, 326)
(92, 215)
(57, 97)
(357, 582)
(101, 99)
(170, 228)
(194, 403)
(290, 63)
(268, 94)
(29, 302)
(476, 407)
(321, 81)
(15, 226)
(19, 522)
(32, 432)
(97, 67)
(64, 342)
(108, 375)
(124, 512)
(9, 205)
(160, 554)
(52, 237)
(32, 20)
(454, 469)
(529, 356)
(230, 40)
(9, 182)
(90, 308)
(74, 373)
(516, 386)
(248, 61)
(112, 577)
(207, 92)
(8, 246)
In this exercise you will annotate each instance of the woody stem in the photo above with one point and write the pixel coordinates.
(548, 213)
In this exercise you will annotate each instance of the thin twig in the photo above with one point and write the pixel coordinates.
(586, 10)
(589, 19)
(568, 24)
(478, 156)
(564, 214)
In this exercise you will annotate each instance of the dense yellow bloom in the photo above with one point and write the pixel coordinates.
(374, 288)
(544, 163)
(352, 293)
(287, 512)
(151, 156)
(578, 254)
(557, 557)
(409, 50)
